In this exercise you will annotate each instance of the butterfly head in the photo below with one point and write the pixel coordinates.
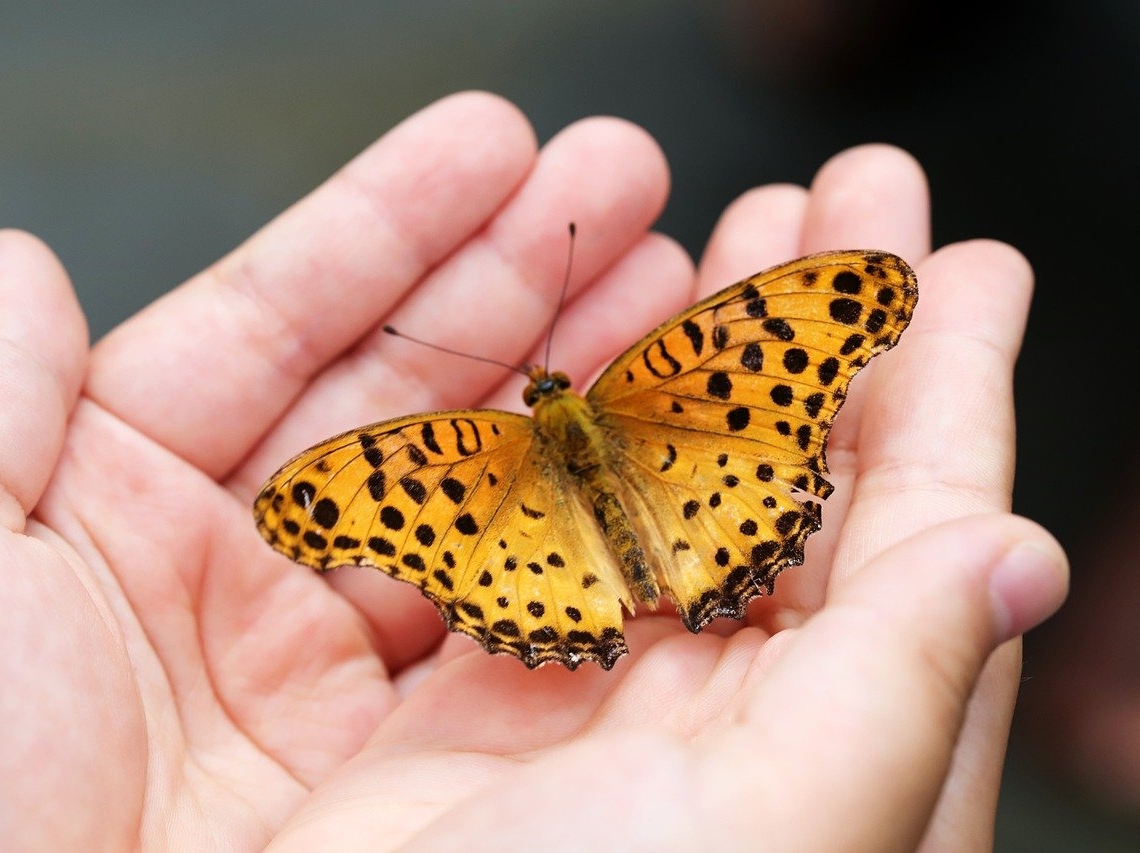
(544, 384)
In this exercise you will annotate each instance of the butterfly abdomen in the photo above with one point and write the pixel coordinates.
(567, 426)
(619, 533)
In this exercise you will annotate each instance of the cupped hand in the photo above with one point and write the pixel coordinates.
(171, 682)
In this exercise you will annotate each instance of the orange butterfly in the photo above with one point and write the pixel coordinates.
(678, 473)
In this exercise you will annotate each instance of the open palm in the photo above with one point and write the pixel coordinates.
(172, 682)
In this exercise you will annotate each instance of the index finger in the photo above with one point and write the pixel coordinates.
(236, 343)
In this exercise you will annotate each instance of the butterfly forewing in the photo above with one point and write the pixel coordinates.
(461, 505)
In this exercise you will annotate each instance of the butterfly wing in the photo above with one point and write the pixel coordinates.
(462, 505)
(720, 418)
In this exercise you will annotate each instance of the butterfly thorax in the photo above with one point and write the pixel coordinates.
(566, 424)
(573, 441)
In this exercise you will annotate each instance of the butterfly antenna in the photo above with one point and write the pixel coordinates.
(398, 334)
(561, 296)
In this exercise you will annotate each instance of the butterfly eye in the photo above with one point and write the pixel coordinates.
(545, 386)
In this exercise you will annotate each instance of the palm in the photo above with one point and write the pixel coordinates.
(264, 692)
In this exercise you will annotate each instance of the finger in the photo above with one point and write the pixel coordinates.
(942, 426)
(235, 345)
(867, 700)
(758, 230)
(967, 809)
(607, 176)
(43, 356)
(495, 296)
(653, 281)
(869, 197)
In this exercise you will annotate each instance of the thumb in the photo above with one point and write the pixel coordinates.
(863, 706)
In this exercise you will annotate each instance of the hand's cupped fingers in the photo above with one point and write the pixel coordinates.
(497, 296)
(236, 344)
(852, 714)
(43, 356)
(893, 661)
(492, 298)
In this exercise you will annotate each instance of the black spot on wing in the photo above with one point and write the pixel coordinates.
(782, 395)
(414, 489)
(828, 370)
(695, 335)
(325, 512)
(852, 343)
(813, 403)
(391, 518)
(719, 385)
(845, 310)
(303, 493)
(847, 282)
(376, 485)
(454, 489)
(738, 418)
(752, 358)
(531, 513)
(382, 546)
(795, 360)
(427, 435)
(779, 328)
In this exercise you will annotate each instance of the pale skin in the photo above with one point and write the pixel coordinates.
(172, 683)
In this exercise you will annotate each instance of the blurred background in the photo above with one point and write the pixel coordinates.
(142, 141)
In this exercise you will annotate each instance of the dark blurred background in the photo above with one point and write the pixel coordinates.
(142, 141)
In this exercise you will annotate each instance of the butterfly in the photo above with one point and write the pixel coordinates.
(685, 471)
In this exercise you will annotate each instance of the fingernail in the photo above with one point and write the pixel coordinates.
(1026, 587)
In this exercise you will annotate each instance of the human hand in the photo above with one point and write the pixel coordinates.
(172, 682)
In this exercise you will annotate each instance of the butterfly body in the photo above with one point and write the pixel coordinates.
(685, 471)
(584, 455)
